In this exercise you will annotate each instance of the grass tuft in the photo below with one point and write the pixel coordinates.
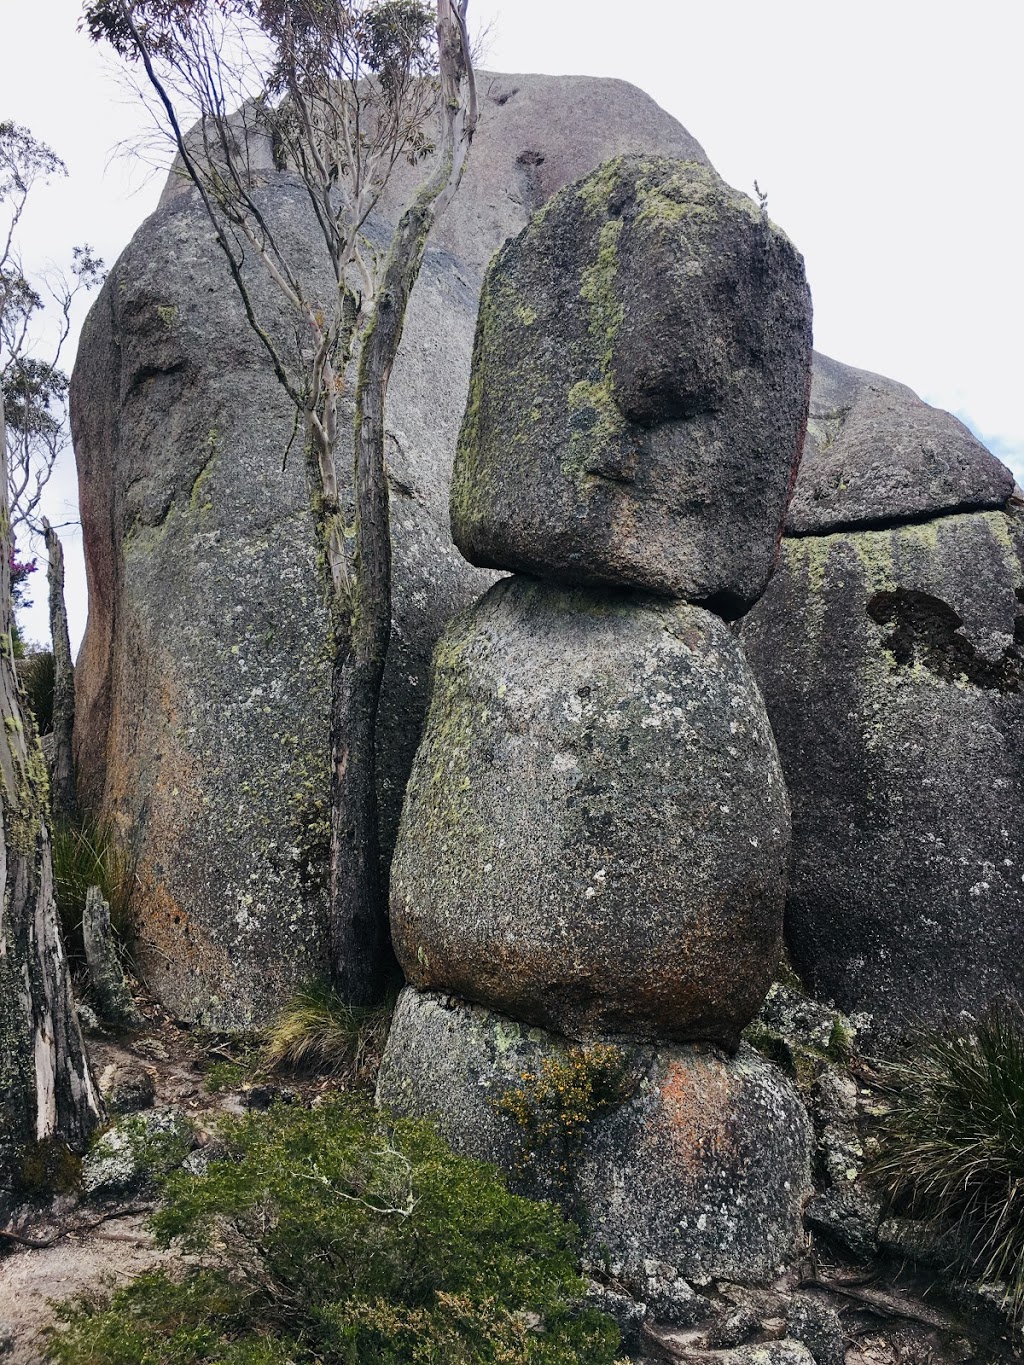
(953, 1145)
(36, 675)
(316, 1031)
(86, 854)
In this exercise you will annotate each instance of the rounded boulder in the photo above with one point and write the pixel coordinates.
(595, 831)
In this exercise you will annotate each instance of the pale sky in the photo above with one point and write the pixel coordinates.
(888, 137)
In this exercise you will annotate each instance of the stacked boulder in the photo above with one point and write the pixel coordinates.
(593, 846)
(889, 650)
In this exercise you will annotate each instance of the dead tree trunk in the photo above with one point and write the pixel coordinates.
(64, 800)
(46, 1089)
(359, 920)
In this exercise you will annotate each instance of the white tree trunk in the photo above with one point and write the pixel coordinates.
(46, 1089)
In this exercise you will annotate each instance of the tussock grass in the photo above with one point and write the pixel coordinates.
(36, 675)
(316, 1031)
(90, 853)
(953, 1145)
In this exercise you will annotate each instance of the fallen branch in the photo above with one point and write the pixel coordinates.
(43, 1243)
(891, 1305)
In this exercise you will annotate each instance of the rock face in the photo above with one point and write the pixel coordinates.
(892, 668)
(203, 677)
(639, 389)
(874, 453)
(595, 829)
(703, 1166)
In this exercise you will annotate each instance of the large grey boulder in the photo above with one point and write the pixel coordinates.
(639, 389)
(892, 668)
(875, 455)
(203, 678)
(703, 1165)
(595, 830)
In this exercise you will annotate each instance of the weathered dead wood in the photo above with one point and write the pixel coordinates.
(63, 798)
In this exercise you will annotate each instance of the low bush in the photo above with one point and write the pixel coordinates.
(953, 1145)
(555, 1106)
(333, 1236)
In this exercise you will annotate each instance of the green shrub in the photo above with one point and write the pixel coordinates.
(86, 854)
(554, 1106)
(953, 1145)
(317, 1031)
(330, 1236)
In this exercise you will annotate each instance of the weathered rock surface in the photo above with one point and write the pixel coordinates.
(595, 830)
(133, 1152)
(203, 677)
(639, 389)
(892, 668)
(876, 454)
(704, 1167)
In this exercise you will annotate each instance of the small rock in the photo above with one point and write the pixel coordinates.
(785, 1352)
(88, 1019)
(127, 1089)
(817, 1324)
(834, 1097)
(670, 1298)
(915, 1240)
(627, 1313)
(849, 1216)
(8, 1337)
(261, 1097)
(134, 1151)
(734, 1328)
(152, 1048)
(679, 1346)
(199, 1160)
(803, 1021)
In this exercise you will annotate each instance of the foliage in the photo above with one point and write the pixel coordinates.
(34, 387)
(555, 1105)
(90, 853)
(316, 1030)
(333, 1235)
(36, 675)
(953, 1144)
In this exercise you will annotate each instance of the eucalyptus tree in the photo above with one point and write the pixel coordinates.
(35, 323)
(342, 92)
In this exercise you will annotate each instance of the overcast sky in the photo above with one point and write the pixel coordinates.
(887, 136)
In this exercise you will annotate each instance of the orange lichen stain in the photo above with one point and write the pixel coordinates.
(697, 1105)
(169, 933)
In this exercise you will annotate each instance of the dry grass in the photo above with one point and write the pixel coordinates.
(315, 1031)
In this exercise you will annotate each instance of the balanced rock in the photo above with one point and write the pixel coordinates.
(893, 672)
(701, 1163)
(595, 831)
(639, 389)
(876, 454)
(203, 682)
